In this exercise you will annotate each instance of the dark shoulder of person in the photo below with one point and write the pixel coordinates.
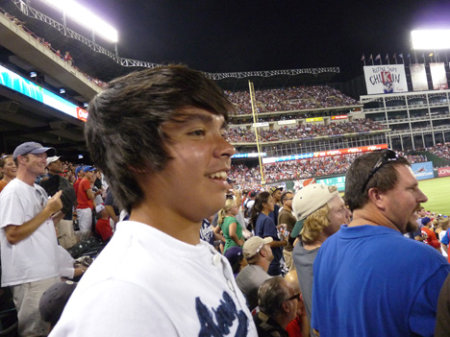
(109, 201)
(98, 183)
(50, 185)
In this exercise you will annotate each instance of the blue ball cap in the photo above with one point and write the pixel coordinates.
(33, 148)
(89, 168)
(78, 169)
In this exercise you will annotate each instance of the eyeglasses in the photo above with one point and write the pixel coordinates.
(387, 157)
(296, 296)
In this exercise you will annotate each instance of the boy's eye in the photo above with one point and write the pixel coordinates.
(197, 133)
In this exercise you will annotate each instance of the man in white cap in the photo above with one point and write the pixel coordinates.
(258, 254)
(54, 183)
(29, 250)
(320, 212)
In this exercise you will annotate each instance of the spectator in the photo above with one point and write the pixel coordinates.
(366, 280)
(53, 183)
(264, 227)
(443, 223)
(320, 212)
(286, 221)
(248, 204)
(236, 259)
(29, 251)
(445, 241)
(443, 311)
(231, 228)
(56, 182)
(79, 175)
(9, 170)
(258, 254)
(68, 58)
(275, 192)
(277, 302)
(85, 202)
(428, 234)
(103, 225)
(53, 301)
(167, 163)
(299, 326)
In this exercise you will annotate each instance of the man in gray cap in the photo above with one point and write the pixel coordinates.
(258, 254)
(320, 212)
(28, 242)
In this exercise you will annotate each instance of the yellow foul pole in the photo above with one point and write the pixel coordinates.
(253, 101)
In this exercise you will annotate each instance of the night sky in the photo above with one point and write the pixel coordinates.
(229, 36)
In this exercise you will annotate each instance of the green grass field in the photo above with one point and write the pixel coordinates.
(438, 192)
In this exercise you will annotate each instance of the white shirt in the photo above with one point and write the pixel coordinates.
(35, 257)
(147, 283)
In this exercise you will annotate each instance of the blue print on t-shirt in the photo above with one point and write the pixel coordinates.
(225, 314)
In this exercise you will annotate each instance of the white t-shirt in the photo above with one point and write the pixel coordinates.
(36, 257)
(147, 283)
(443, 250)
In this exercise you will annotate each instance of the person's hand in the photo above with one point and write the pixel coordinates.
(54, 204)
(79, 270)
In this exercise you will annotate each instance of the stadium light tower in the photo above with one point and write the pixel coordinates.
(430, 39)
(86, 18)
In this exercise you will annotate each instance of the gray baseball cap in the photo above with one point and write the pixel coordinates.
(33, 148)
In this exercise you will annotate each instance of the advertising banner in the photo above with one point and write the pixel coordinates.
(423, 170)
(438, 76)
(339, 182)
(418, 77)
(17, 83)
(444, 171)
(359, 149)
(339, 117)
(314, 119)
(384, 79)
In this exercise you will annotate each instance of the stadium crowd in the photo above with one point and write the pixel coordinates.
(250, 177)
(302, 131)
(441, 150)
(247, 270)
(289, 99)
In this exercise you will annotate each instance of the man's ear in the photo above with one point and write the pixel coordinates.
(377, 197)
(22, 159)
(285, 306)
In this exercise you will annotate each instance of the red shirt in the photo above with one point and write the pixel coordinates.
(294, 328)
(430, 237)
(82, 197)
(103, 228)
(75, 186)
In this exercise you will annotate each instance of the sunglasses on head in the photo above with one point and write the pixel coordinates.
(387, 157)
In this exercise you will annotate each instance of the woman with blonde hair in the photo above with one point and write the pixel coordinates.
(231, 228)
(9, 170)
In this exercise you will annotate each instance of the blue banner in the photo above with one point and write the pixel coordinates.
(423, 170)
(17, 83)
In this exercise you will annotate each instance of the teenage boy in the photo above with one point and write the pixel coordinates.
(158, 136)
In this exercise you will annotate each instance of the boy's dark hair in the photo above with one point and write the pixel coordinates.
(384, 178)
(123, 130)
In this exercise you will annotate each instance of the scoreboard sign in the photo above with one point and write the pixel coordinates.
(385, 79)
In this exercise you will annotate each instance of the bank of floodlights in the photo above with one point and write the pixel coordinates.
(430, 39)
(86, 18)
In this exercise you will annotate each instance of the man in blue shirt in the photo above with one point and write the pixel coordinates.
(369, 280)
